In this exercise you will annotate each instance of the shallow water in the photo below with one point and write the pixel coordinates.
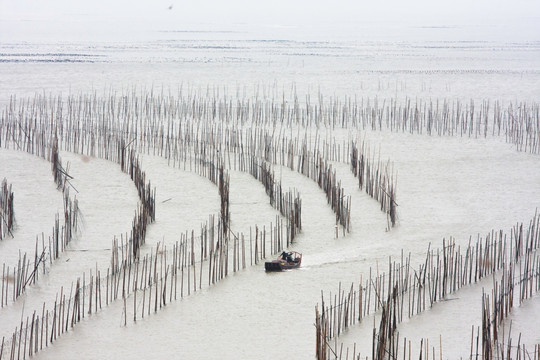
(447, 186)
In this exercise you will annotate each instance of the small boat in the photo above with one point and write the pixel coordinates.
(285, 261)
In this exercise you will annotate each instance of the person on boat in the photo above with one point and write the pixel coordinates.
(289, 257)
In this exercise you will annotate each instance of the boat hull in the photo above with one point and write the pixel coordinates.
(280, 265)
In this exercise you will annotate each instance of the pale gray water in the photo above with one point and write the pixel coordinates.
(446, 186)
